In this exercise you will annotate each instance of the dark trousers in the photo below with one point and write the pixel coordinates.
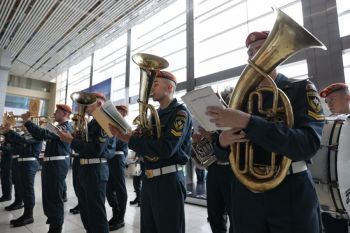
(219, 202)
(15, 181)
(162, 204)
(116, 189)
(334, 225)
(291, 207)
(75, 170)
(91, 192)
(5, 175)
(53, 175)
(26, 173)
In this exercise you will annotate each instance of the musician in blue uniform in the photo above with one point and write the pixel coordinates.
(163, 188)
(92, 171)
(18, 202)
(219, 180)
(116, 190)
(292, 206)
(5, 172)
(337, 98)
(27, 167)
(55, 167)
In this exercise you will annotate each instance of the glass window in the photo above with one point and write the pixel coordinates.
(110, 62)
(343, 8)
(61, 83)
(79, 77)
(294, 70)
(133, 113)
(20, 104)
(221, 27)
(346, 62)
(218, 87)
(164, 35)
(179, 94)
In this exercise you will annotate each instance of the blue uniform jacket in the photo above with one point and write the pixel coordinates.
(54, 146)
(5, 149)
(10, 146)
(99, 145)
(121, 146)
(29, 146)
(174, 146)
(301, 141)
(220, 153)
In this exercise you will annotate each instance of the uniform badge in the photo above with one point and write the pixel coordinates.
(179, 124)
(314, 101)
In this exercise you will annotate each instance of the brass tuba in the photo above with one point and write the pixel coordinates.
(80, 127)
(285, 39)
(149, 65)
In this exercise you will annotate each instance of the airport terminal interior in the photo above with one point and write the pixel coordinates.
(52, 49)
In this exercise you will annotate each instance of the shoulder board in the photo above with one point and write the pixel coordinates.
(293, 82)
(181, 113)
(296, 80)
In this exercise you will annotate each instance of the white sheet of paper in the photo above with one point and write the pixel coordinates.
(197, 102)
(108, 114)
(52, 128)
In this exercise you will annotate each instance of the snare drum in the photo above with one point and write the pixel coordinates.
(330, 167)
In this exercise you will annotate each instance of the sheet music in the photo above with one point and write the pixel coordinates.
(108, 114)
(197, 102)
(52, 128)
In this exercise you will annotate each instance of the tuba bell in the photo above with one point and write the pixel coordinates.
(80, 127)
(149, 65)
(286, 39)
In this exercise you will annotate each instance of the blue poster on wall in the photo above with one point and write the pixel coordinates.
(102, 87)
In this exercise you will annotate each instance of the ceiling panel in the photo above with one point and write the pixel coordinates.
(45, 37)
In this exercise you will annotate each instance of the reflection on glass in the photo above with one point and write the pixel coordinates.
(221, 27)
(294, 70)
(79, 77)
(164, 34)
(343, 8)
(346, 62)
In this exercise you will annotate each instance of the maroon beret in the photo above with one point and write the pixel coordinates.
(123, 108)
(64, 107)
(333, 88)
(255, 36)
(167, 75)
(99, 95)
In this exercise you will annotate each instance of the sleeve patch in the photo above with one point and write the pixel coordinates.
(314, 101)
(179, 123)
(319, 117)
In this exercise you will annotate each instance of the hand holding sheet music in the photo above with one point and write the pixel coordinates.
(108, 114)
(52, 128)
(197, 102)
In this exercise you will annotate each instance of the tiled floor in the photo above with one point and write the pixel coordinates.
(195, 215)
